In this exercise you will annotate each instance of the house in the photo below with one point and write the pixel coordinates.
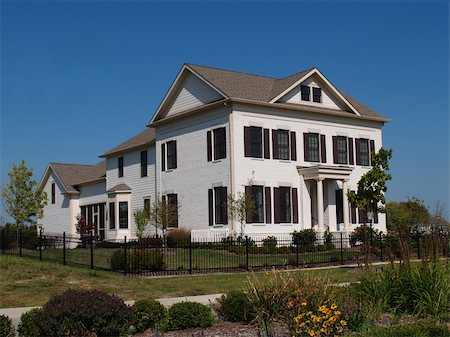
(296, 144)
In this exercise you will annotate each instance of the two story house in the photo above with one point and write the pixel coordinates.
(296, 144)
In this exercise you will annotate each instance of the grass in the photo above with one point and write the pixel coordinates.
(29, 282)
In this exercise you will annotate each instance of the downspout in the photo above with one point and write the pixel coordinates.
(232, 187)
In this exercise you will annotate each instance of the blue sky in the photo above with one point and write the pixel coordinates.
(78, 78)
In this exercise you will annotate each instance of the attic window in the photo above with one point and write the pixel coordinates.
(317, 95)
(306, 92)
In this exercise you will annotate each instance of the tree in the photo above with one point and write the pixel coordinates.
(141, 218)
(405, 216)
(372, 185)
(163, 214)
(241, 208)
(21, 199)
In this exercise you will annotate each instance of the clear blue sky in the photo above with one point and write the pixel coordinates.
(78, 78)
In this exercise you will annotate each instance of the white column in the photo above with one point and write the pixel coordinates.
(346, 206)
(320, 224)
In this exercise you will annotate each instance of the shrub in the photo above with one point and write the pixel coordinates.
(305, 237)
(83, 313)
(6, 327)
(28, 327)
(235, 307)
(148, 314)
(178, 237)
(417, 329)
(189, 315)
(363, 234)
(138, 259)
(270, 244)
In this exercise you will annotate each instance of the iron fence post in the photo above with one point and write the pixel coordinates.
(342, 249)
(64, 248)
(40, 244)
(20, 242)
(92, 250)
(125, 254)
(246, 251)
(190, 256)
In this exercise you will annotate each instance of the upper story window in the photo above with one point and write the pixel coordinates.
(317, 95)
(340, 152)
(305, 92)
(144, 163)
(364, 154)
(53, 193)
(256, 192)
(120, 166)
(280, 144)
(253, 141)
(312, 147)
(169, 155)
(123, 214)
(216, 142)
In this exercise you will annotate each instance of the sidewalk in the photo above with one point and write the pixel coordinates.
(15, 313)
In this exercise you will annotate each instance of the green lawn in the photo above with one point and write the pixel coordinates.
(30, 282)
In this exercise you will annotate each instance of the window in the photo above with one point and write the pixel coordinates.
(313, 147)
(144, 163)
(253, 141)
(306, 92)
(120, 166)
(256, 192)
(364, 155)
(285, 204)
(112, 216)
(220, 205)
(283, 144)
(123, 214)
(53, 193)
(172, 154)
(220, 146)
(340, 150)
(317, 95)
(172, 200)
(147, 205)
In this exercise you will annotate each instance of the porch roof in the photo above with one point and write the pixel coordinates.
(321, 172)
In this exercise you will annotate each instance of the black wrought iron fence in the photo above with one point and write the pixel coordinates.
(153, 256)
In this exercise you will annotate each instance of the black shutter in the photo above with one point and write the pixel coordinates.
(275, 144)
(276, 199)
(372, 150)
(294, 205)
(335, 155)
(248, 194)
(266, 144)
(225, 206)
(268, 201)
(362, 216)
(353, 214)
(306, 146)
(247, 144)
(350, 151)
(339, 206)
(210, 207)
(293, 146)
(175, 154)
(358, 151)
(163, 157)
(209, 145)
(323, 149)
(375, 217)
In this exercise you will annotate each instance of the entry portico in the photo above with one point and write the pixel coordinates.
(319, 173)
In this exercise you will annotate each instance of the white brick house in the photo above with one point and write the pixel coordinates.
(297, 144)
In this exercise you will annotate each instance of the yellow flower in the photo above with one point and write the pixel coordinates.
(337, 312)
(343, 323)
(311, 332)
(304, 304)
(333, 306)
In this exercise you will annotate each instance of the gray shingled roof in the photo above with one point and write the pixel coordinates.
(143, 138)
(119, 187)
(237, 85)
(72, 175)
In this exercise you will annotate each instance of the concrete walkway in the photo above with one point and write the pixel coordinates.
(16, 313)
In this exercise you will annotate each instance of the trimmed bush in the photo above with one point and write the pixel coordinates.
(305, 237)
(189, 315)
(270, 244)
(138, 259)
(178, 238)
(148, 314)
(235, 307)
(83, 313)
(6, 327)
(28, 326)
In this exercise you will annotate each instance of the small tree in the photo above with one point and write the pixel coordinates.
(241, 208)
(163, 215)
(141, 218)
(21, 199)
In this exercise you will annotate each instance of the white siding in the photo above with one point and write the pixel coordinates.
(194, 175)
(92, 193)
(193, 93)
(56, 216)
(140, 186)
(329, 100)
(274, 173)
